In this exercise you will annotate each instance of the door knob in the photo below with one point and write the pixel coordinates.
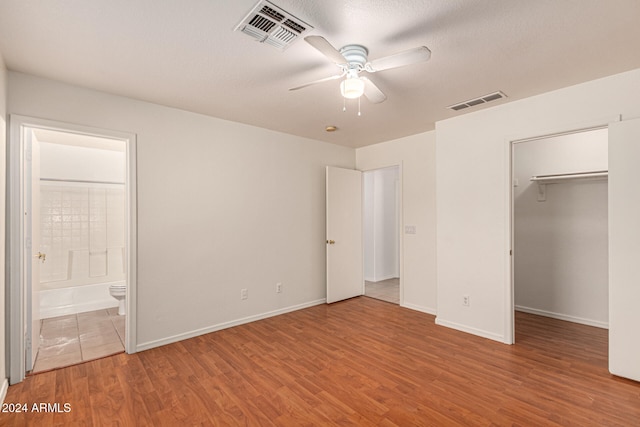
(331, 242)
(42, 256)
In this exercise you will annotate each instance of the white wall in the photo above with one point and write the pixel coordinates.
(368, 227)
(221, 206)
(380, 224)
(81, 163)
(416, 155)
(472, 187)
(386, 223)
(560, 256)
(3, 172)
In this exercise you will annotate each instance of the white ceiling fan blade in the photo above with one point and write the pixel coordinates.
(372, 92)
(326, 49)
(326, 79)
(407, 57)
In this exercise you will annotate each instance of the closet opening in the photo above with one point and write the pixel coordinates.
(560, 237)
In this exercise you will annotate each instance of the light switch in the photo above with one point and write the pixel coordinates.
(409, 229)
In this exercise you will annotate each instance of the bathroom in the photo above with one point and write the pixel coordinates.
(79, 205)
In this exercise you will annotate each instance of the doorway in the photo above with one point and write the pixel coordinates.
(72, 240)
(560, 227)
(381, 233)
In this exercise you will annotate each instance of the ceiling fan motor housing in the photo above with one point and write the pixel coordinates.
(356, 56)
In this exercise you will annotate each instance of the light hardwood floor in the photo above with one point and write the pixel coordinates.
(358, 362)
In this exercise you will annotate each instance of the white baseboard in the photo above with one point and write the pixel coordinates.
(560, 316)
(420, 308)
(3, 390)
(175, 338)
(470, 330)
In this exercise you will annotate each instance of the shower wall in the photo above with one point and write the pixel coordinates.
(82, 233)
(82, 227)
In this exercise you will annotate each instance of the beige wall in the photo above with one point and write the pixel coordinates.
(473, 184)
(3, 171)
(416, 155)
(222, 206)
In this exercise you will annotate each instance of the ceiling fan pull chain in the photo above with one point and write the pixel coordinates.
(359, 113)
(344, 104)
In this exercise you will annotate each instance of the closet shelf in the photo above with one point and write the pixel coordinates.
(543, 180)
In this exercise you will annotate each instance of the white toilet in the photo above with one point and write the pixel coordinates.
(119, 292)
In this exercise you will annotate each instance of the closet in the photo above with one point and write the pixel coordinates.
(560, 227)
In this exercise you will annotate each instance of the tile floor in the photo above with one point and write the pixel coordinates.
(385, 290)
(76, 338)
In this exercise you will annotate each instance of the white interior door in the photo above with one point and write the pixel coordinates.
(624, 248)
(344, 234)
(33, 256)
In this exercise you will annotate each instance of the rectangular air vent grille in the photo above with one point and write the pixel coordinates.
(280, 38)
(269, 24)
(272, 13)
(294, 26)
(477, 101)
(261, 23)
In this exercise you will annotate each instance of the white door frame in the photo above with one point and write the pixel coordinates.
(400, 223)
(509, 296)
(16, 298)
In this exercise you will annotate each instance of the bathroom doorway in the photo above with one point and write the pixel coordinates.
(75, 237)
(381, 224)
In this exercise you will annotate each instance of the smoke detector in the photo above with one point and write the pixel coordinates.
(267, 23)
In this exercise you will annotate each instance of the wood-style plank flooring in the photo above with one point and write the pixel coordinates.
(358, 362)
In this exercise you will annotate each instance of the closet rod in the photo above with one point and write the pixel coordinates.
(579, 175)
(81, 181)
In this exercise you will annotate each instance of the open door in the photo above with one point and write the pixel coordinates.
(344, 234)
(24, 258)
(33, 255)
(624, 249)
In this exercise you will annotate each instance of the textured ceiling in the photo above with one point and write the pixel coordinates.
(185, 54)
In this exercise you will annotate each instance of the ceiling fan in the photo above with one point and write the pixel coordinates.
(353, 59)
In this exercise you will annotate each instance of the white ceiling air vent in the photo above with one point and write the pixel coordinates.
(477, 101)
(269, 24)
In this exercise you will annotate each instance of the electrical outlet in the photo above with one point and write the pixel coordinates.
(465, 300)
(278, 288)
(244, 294)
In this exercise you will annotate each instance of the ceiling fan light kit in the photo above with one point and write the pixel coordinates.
(352, 87)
